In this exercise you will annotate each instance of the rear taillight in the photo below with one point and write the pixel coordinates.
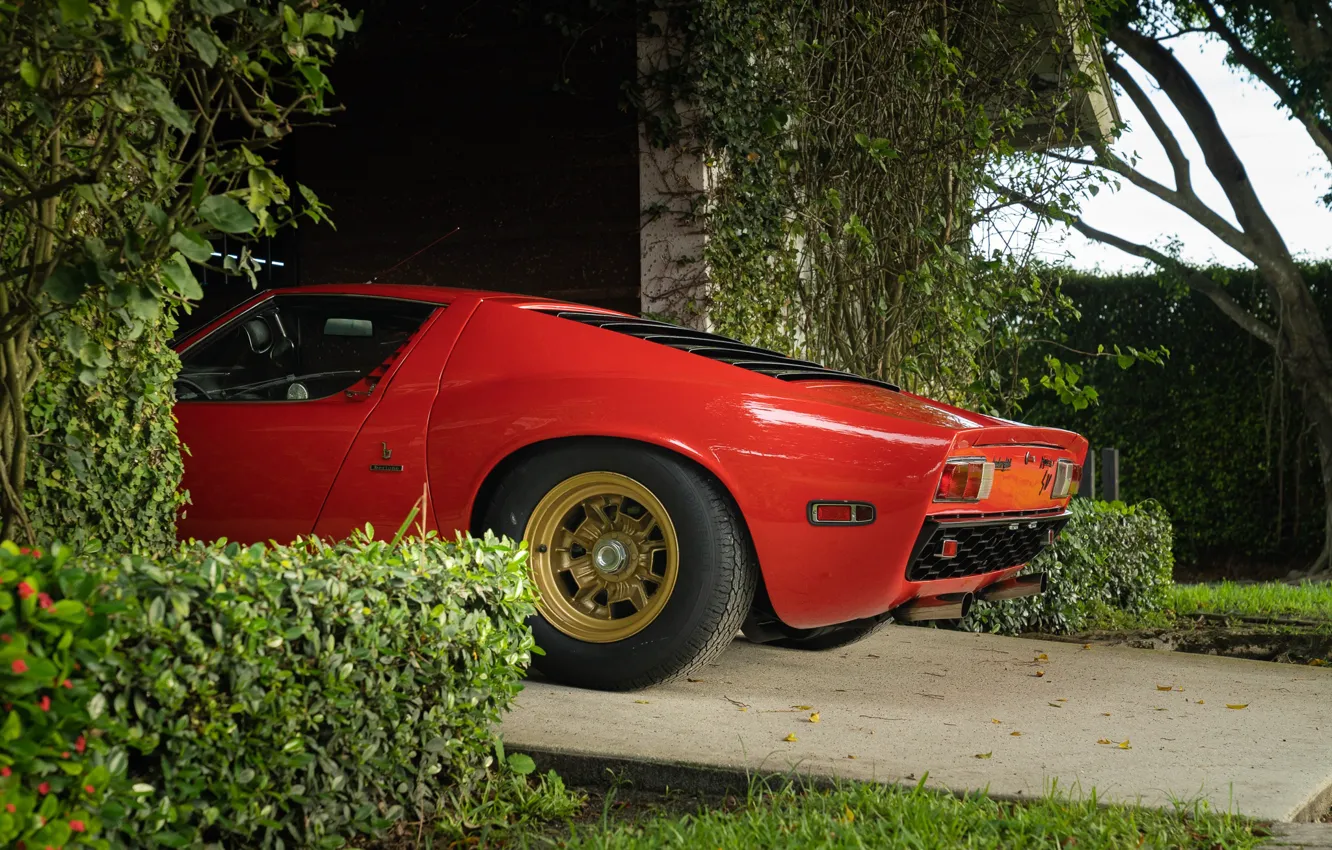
(1067, 477)
(965, 480)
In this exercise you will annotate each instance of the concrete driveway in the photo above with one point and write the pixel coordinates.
(1016, 717)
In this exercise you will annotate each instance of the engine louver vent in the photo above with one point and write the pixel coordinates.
(719, 348)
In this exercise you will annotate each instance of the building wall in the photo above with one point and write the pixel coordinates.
(456, 116)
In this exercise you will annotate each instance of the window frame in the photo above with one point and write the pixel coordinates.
(262, 304)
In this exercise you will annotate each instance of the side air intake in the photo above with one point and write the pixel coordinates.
(719, 348)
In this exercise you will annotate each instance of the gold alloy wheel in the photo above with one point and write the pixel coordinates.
(604, 556)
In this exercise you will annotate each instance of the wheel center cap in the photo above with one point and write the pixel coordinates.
(609, 555)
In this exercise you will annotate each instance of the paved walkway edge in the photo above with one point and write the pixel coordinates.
(580, 768)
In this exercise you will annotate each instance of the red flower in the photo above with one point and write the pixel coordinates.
(44, 788)
(65, 754)
(19, 666)
(6, 638)
(5, 771)
(9, 807)
(89, 789)
(76, 825)
(80, 744)
(45, 703)
(67, 684)
(44, 600)
(25, 590)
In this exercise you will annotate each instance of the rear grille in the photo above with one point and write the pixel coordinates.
(719, 348)
(984, 546)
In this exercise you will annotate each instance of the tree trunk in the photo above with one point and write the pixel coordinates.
(1320, 415)
(17, 372)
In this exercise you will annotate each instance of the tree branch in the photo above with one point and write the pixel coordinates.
(1319, 130)
(1179, 163)
(1194, 279)
(1218, 153)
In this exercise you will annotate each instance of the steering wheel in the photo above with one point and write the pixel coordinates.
(192, 386)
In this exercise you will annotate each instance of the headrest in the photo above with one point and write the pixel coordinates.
(259, 334)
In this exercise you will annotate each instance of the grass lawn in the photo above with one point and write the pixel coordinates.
(1307, 601)
(857, 815)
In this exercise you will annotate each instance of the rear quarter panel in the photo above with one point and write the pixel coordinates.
(518, 377)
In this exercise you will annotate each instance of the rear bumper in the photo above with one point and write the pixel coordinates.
(984, 544)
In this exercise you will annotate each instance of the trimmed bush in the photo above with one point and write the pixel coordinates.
(1111, 557)
(107, 472)
(292, 696)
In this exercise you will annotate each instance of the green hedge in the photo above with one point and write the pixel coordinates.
(104, 464)
(1216, 434)
(294, 696)
(1111, 557)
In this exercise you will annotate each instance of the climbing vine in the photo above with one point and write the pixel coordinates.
(847, 144)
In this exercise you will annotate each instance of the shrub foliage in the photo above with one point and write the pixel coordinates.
(106, 467)
(1216, 434)
(1109, 556)
(293, 696)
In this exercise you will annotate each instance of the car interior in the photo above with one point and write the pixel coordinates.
(299, 348)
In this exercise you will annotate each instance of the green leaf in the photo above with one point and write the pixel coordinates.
(317, 23)
(67, 285)
(204, 45)
(75, 11)
(162, 103)
(521, 764)
(192, 245)
(227, 215)
(29, 73)
(176, 272)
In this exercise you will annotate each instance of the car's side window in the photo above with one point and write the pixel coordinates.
(300, 347)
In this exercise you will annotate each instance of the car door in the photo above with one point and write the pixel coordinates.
(269, 403)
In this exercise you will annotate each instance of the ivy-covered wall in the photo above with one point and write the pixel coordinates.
(1215, 433)
(848, 143)
(104, 466)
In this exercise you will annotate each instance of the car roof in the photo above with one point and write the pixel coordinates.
(433, 294)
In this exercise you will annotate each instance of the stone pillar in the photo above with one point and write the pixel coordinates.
(673, 186)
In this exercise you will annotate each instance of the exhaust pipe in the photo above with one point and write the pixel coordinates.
(949, 606)
(1028, 585)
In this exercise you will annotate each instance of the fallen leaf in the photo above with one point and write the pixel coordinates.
(1040, 673)
(850, 815)
(1201, 702)
(1054, 705)
(1237, 706)
(850, 756)
(1086, 646)
(1154, 708)
(803, 707)
(641, 701)
(984, 755)
(790, 739)
(1105, 714)
(995, 720)
(1105, 741)
(1165, 687)
(814, 718)
(1318, 662)
(1062, 699)
(1124, 745)
(744, 708)
(1042, 657)
(1016, 734)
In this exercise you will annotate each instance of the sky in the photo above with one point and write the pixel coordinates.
(1287, 170)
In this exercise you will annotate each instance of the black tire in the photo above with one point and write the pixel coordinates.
(832, 637)
(715, 580)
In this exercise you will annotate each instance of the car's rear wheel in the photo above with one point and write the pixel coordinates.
(642, 567)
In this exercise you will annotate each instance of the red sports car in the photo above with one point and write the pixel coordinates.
(673, 486)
